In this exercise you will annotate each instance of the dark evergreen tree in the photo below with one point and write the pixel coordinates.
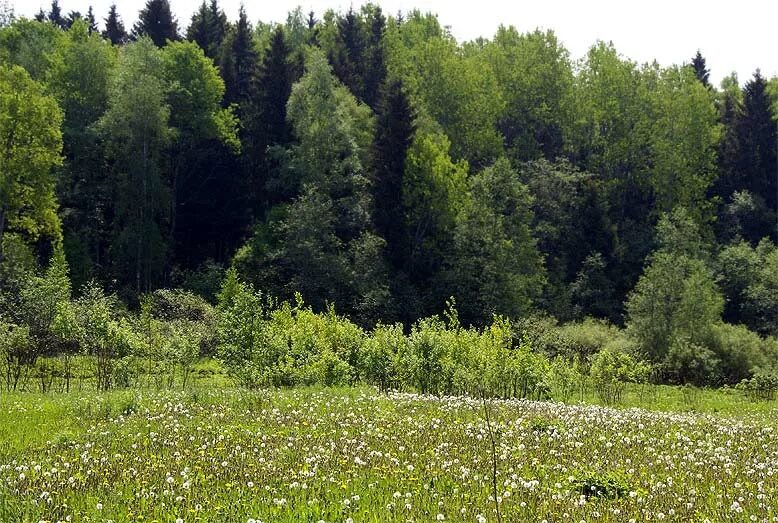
(114, 28)
(55, 15)
(197, 31)
(71, 18)
(348, 57)
(393, 136)
(90, 19)
(41, 15)
(207, 28)
(217, 28)
(239, 63)
(157, 22)
(267, 124)
(702, 72)
(375, 72)
(756, 131)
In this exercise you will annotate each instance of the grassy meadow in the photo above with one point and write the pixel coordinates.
(354, 455)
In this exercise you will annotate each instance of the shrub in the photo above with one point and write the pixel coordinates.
(610, 372)
(760, 386)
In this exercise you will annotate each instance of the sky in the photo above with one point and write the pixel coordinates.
(740, 37)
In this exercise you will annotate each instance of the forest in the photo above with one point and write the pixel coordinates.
(357, 197)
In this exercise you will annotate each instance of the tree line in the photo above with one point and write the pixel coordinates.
(372, 162)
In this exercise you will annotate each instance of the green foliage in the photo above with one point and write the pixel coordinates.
(760, 386)
(136, 127)
(494, 266)
(17, 353)
(610, 372)
(31, 145)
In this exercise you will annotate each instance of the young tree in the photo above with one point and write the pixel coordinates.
(157, 22)
(114, 28)
(676, 299)
(30, 146)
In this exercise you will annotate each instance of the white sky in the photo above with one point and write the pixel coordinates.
(733, 36)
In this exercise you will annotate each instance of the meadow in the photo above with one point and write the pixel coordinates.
(357, 455)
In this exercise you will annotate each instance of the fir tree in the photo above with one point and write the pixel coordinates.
(114, 28)
(348, 59)
(393, 137)
(55, 15)
(217, 28)
(239, 62)
(90, 19)
(702, 72)
(157, 22)
(757, 143)
(375, 68)
(197, 31)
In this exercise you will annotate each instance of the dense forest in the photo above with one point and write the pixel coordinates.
(369, 162)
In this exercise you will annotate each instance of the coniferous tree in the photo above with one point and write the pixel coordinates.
(40, 16)
(700, 70)
(267, 124)
(393, 137)
(114, 28)
(207, 28)
(55, 15)
(90, 19)
(72, 17)
(217, 28)
(239, 63)
(756, 131)
(157, 22)
(375, 72)
(197, 31)
(348, 58)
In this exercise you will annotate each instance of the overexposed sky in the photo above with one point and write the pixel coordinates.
(733, 36)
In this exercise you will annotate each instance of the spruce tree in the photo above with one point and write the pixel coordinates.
(239, 63)
(55, 15)
(157, 22)
(90, 19)
(348, 57)
(700, 70)
(207, 28)
(393, 136)
(40, 16)
(217, 28)
(114, 28)
(757, 143)
(71, 18)
(375, 72)
(197, 31)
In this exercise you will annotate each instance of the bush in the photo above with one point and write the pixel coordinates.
(610, 372)
(17, 351)
(690, 363)
(761, 386)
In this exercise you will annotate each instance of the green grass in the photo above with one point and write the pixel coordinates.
(331, 454)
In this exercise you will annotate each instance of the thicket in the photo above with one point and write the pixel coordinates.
(57, 340)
